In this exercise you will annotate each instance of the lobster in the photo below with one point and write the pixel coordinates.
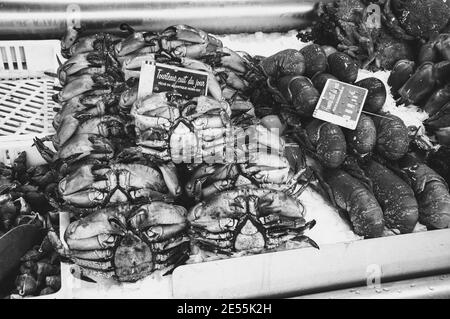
(431, 191)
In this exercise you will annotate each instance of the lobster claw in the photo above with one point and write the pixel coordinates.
(437, 100)
(401, 72)
(443, 45)
(283, 63)
(419, 85)
(439, 120)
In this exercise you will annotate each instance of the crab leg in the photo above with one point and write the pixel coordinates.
(147, 149)
(78, 86)
(93, 254)
(209, 121)
(97, 265)
(147, 122)
(86, 199)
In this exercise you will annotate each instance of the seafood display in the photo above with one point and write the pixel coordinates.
(377, 34)
(153, 180)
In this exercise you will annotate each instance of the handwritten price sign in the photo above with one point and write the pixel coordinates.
(158, 77)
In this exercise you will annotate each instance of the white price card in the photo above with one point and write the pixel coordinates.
(159, 77)
(341, 103)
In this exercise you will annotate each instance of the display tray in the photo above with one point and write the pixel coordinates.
(370, 262)
(347, 264)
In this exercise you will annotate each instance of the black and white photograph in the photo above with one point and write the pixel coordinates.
(232, 150)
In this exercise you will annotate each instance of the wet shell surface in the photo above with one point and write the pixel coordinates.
(352, 196)
(300, 91)
(376, 97)
(315, 59)
(320, 79)
(363, 139)
(329, 141)
(343, 67)
(401, 72)
(392, 136)
(283, 63)
(395, 197)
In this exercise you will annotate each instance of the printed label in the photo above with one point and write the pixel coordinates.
(341, 104)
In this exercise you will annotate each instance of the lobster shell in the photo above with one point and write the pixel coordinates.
(300, 91)
(395, 196)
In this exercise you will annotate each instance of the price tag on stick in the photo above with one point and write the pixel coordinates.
(341, 103)
(159, 77)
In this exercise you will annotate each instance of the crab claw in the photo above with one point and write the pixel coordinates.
(210, 179)
(46, 153)
(99, 230)
(92, 145)
(68, 40)
(159, 221)
(185, 33)
(81, 85)
(135, 42)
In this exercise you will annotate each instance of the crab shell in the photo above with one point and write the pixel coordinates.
(82, 187)
(129, 242)
(221, 214)
(159, 226)
(83, 233)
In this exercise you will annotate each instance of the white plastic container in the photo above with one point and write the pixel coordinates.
(26, 105)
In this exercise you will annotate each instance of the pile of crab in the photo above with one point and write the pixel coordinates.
(151, 181)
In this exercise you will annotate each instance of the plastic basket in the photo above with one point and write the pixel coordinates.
(26, 106)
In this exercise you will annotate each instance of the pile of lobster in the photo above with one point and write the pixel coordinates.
(150, 181)
(372, 173)
(377, 33)
(427, 85)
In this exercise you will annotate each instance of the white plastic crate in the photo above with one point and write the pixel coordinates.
(26, 105)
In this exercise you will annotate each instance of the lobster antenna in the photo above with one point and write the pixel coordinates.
(373, 114)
